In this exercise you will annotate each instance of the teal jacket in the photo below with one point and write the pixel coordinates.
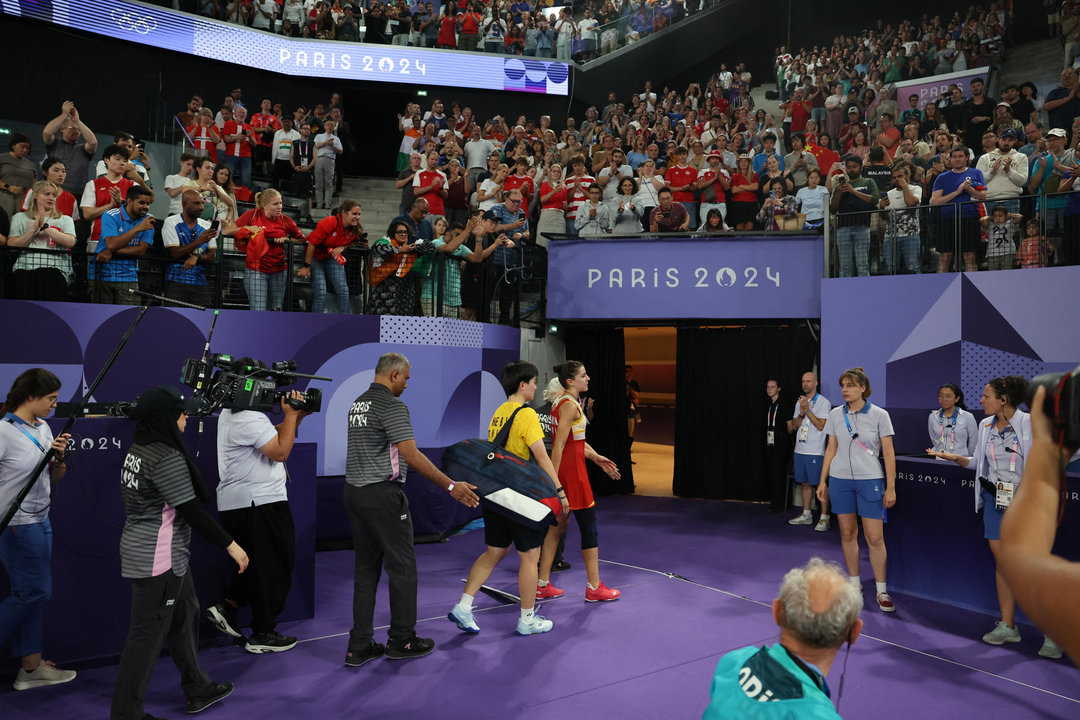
(766, 683)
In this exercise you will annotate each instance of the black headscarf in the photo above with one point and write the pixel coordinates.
(162, 428)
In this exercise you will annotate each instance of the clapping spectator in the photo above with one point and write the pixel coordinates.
(593, 217)
(42, 275)
(624, 211)
(204, 134)
(103, 194)
(74, 147)
(239, 140)
(55, 173)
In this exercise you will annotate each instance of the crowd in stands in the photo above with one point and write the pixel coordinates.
(984, 181)
(511, 27)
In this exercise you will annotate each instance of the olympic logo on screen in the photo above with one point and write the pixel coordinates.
(129, 22)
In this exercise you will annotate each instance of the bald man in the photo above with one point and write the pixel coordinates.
(817, 611)
(192, 244)
(808, 425)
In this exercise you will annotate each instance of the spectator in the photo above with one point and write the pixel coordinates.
(714, 182)
(239, 140)
(218, 201)
(744, 195)
(17, 173)
(512, 222)
(74, 147)
(190, 114)
(950, 189)
(468, 27)
(430, 185)
(799, 162)
(174, 184)
(41, 226)
(204, 135)
(293, 13)
(846, 139)
(192, 242)
(593, 217)
(263, 14)
(625, 212)
(102, 194)
(391, 258)
(323, 260)
(853, 197)
(613, 173)
(682, 179)
(55, 173)
(888, 136)
(902, 229)
(1005, 170)
(668, 216)
(587, 29)
(768, 142)
(456, 203)
(577, 184)
(127, 232)
(565, 30)
(282, 147)
(494, 34)
(327, 148)
(817, 612)
(1001, 231)
(490, 190)
(812, 200)
(477, 152)
(779, 208)
(264, 125)
(520, 180)
(545, 39)
(447, 28)
(262, 234)
(405, 180)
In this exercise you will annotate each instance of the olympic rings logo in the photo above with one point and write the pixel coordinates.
(133, 23)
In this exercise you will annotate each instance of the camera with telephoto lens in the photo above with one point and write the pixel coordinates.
(1061, 405)
(230, 383)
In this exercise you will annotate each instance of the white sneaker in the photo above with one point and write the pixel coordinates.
(1002, 634)
(463, 619)
(822, 524)
(49, 674)
(801, 519)
(538, 625)
(1049, 649)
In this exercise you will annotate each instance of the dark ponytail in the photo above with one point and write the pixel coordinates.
(957, 392)
(1011, 389)
(35, 382)
(566, 371)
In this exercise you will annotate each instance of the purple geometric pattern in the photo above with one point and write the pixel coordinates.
(979, 363)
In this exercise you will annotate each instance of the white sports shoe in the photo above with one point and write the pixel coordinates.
(1002, 634)
(801, 519)
(538, 625)
(1049, 649)
(49, 674)
(822, 524)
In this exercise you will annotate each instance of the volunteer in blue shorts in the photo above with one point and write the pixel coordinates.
(952, 428)
(1004, 439)
(808, 424)
(853, 479)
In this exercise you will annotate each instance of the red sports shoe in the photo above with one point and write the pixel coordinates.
(601, 594)
(547, 592)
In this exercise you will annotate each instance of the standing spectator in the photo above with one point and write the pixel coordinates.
(812, 200)
(430, 184)
(490, 190)
(190, 114)
(102, 194)
(127, 232)
(799, 163)
(565, 30)
(1005, 170)
(577, 184)
(323, 261)
(282, 147)
(587, 31)
(545, 39)
(959, 188)
(327, 147)
(218, 202)
(204, 135)
(190, 241)
(520, 180)
(902, 226)
(624, 210)
(593, 217)
(17, 173)
(613, 173)
(552, 206)
(477, 151)
(446, 39)
(381, 451)
(239, 140)
(714, 182)
(391, 258)
(1001, 231)
(494, 34)
(42, 275)
(174, 184)
(264, 124)
(263, 14)
(456, 204)
(888, 135)
(744, 195)
(1062, 103)
(405, 180)
(853, 197)
(293, 13)
(681, 178)
(75, 146)
(55, 173)
(262, 234)
(468, 27)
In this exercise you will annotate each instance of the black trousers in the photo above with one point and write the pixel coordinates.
(382, 533)
(268, 535)
(776, 463)
(163, 609)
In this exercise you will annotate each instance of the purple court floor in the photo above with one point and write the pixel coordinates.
(651, 654)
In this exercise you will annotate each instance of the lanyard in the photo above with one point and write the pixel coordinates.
(22, 425)
(952, 431)
(773, 410)
(855, 435)
(993, 456)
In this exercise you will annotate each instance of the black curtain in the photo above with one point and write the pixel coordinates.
(721, 406)
(601, 349)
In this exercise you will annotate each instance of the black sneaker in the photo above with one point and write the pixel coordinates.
(414, 647)
(223, 615)
(560, 566)
(260, 643)
(214, 693)
(373, 651)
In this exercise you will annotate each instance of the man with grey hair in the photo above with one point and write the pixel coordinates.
(817, 611)
(381, 448)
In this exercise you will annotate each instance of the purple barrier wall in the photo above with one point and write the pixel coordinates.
(669, 278)
(935, 88)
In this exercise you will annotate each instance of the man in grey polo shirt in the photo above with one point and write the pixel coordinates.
(381, 448)
(808, 424)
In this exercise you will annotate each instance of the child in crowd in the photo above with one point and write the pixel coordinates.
(1001, 229)
(1035, 250)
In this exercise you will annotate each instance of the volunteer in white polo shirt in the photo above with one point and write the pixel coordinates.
(808, 424)
(254, 508)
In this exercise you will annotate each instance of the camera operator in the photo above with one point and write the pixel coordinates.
(254, 507)
(1045, 586)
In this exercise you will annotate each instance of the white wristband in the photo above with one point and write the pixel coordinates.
(450, 487)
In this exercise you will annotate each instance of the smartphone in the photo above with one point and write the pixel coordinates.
(215, 225)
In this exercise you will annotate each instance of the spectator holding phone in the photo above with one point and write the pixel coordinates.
(192, 242)
(127, 232)
(668, 216)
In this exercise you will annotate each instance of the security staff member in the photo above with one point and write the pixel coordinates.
(808, 424)
(777, 449)
(254, 507)
(952, 428)
(161, 490)
(381, 448)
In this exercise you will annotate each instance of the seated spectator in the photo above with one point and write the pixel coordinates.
(817, 612)
(323, 260)
(779, 208)
(714, 222)
(192, 242)
(391, 257)
(73, 145)
(593, 216)
(668, 216)
(55, 173)
(41, 226)
(262, 235)
(17, 173)
(127, 232)
(174, 184)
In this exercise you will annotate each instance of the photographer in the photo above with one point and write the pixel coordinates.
(254, 507)
(127, 232)
(1045, 585)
